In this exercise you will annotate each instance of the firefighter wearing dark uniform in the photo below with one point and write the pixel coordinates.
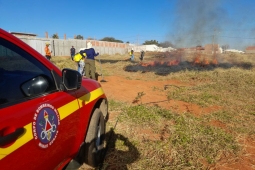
(90, 68)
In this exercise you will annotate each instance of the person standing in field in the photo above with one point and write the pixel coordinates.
(132, 57)
(47, 51)
(72, 52)
(81, 63)
(142, 55)
(90, 68)
(79, 60)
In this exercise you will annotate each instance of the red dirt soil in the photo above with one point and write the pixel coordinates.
(125, 90)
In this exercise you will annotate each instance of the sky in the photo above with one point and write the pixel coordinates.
(184, 23)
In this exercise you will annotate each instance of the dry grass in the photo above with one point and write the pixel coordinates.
(154, 138)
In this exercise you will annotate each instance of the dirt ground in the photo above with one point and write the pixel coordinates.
(122, 89)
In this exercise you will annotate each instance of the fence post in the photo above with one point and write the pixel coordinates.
(53, 47)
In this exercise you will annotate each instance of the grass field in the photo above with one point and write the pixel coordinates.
(152, 137)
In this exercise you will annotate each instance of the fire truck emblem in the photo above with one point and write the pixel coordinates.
(45, 125)
(49, 128)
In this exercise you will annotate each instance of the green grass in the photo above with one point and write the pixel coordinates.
(189, 139)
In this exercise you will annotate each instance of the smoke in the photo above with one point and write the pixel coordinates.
(197, 22)
(225, 22)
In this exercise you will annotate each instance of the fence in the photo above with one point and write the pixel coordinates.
(62, 47)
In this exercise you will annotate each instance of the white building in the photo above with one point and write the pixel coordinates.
(152, 47)
(234, 51)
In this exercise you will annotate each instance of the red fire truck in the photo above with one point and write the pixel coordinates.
(48, 117)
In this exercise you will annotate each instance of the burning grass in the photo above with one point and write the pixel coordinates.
(150, 137)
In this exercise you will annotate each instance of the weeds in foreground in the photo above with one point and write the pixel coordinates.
(180, 141)
(138, 98)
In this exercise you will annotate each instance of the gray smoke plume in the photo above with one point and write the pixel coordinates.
(198, 22)
(225, 22)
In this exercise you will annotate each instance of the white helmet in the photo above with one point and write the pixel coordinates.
(89, 45)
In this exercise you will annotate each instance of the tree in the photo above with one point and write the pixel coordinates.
(111, 39)
(151, 42)
(80, 37)
(55, 36)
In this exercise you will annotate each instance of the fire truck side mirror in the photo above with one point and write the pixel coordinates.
(71, 79)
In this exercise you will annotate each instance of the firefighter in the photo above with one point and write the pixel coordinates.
(90, 68)
(132, 57)
(142, 55)
(81, 62)
(47, 51)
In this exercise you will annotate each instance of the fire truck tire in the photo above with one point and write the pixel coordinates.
(104, 108)
(95, 140)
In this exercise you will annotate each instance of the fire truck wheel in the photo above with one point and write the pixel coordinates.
(104, 108)
(95, 140)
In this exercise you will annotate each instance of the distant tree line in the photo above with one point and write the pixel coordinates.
(111, 39)
(164, 44)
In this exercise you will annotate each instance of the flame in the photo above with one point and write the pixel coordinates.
(172, 63)
(147, 64)
(199, 60)
(206, 62)
(215, 62)
(203, 60)
(196, 60)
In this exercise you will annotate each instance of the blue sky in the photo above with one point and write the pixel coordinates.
(185, 23)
